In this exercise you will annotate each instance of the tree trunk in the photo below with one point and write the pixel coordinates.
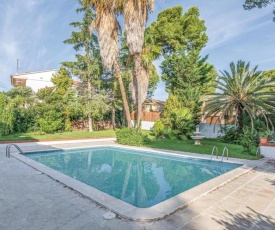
(89, 114)
(137, 86)
(113, 110)
(240, 119)
(113, 117)
(126, 180)
(123, 94)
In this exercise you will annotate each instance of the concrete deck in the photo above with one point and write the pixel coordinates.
(31, 200)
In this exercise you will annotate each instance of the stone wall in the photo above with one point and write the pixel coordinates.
(210, 130)
(79, 125)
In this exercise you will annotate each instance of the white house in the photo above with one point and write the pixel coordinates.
(34, 80)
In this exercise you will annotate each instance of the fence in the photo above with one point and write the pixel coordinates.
(84, 125)
(147, 116)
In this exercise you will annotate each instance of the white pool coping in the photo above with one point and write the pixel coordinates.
(128, 211)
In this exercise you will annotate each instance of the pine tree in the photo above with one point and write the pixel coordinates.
(88, 65)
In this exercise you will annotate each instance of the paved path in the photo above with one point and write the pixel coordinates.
(30, 200)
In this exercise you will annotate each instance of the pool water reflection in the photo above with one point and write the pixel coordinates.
(140, 178)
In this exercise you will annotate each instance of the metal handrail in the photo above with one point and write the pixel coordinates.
(8, 147)
(225, 148)
(217, 152)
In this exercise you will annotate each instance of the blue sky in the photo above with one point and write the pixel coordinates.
(34, 30)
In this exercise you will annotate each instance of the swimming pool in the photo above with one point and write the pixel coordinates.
(140, 178)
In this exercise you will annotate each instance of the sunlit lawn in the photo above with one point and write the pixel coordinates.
(58, 136)
(178, 145)
(206, 147)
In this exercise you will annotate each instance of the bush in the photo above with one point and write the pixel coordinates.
(131, 137)
(25, 120)
(248, 141)
(158, 128)
(232, 135)
(172, 134)
(51, 122)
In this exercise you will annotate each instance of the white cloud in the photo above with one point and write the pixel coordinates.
(33, 31)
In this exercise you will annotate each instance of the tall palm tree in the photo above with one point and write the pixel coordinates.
(148, 73)
(107, 27)
(243, 91)
(135, 18)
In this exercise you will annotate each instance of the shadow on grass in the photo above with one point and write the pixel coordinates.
(247, 220)
(17, 138)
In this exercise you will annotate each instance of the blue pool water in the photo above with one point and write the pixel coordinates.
(140, 178)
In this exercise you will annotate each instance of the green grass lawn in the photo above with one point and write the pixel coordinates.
(178, 145)
(57, 136)
(206, 147)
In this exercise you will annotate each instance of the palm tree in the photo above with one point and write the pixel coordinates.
(148, 73)
(135, 17)
(107, 27)
(240, 92)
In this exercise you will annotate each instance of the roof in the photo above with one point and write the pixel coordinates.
(35, 72)
(152, 101)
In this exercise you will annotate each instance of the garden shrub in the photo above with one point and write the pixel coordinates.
(232, 135)
(172, 134)
(158, 128)
(51, 122)
(248, 141)
(25, 120)
(132, 137)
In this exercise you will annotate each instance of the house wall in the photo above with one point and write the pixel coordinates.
(268, 151)
(210, 130)
(34, 80)
(40, 80)
(147, 125)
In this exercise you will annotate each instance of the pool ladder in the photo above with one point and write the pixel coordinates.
(225, 150)
(8, 154)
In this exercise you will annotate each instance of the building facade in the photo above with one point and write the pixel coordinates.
(34, 80)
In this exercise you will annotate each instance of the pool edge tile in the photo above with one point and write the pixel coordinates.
(128, 211)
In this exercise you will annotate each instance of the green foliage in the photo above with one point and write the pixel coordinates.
(250, 4)
(247, 140)
(270, 134)
(51, 120)
(40, 136)
(88, 66)
(22, 96)
(177, 117)
(6, 115)
(188, 76)
(232, 135)
(171, 105)
(131, 137)
(150, 52)
(243, 92)
(174, 30)
(182, 120)
(172, 134)
(158, 128)
(235, 151)
(24, 119)
(46, 95)
(269, 74)
(62, 81)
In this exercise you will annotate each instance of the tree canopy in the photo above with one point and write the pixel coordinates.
(250, 4)
(241, 92)
(174, 30)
